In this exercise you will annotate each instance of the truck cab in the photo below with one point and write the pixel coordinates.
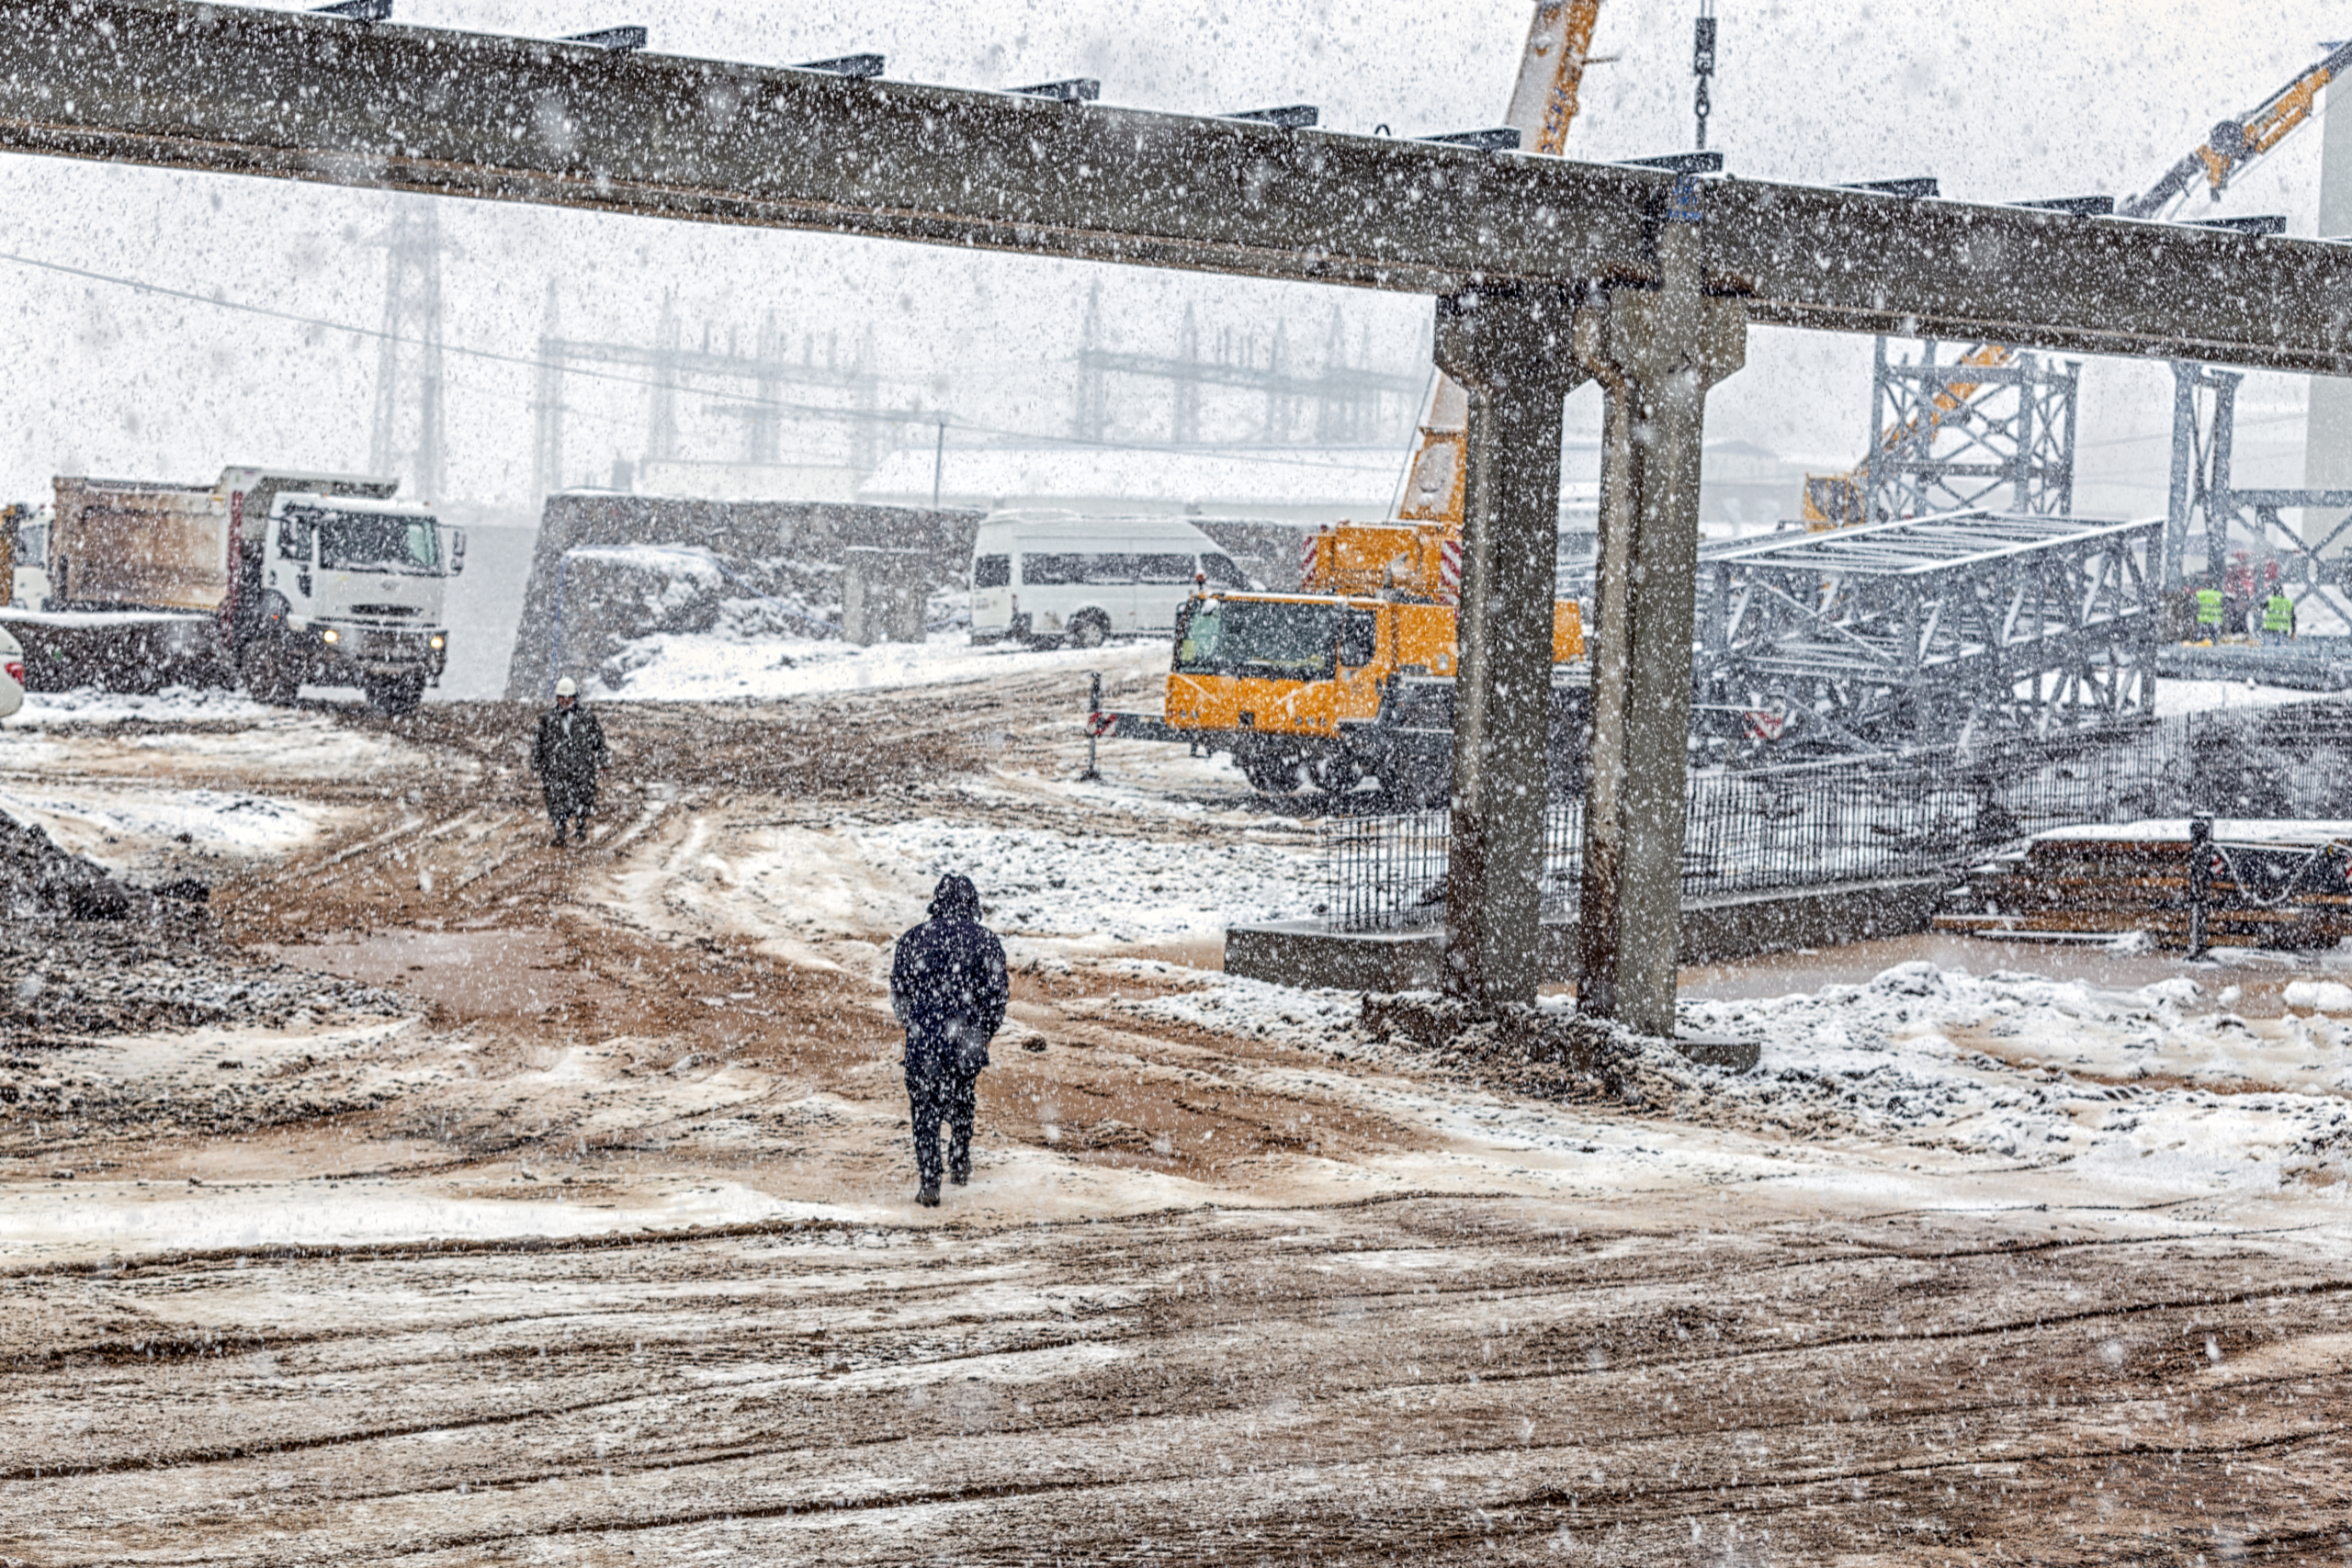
(1305, 688)
(347, 590)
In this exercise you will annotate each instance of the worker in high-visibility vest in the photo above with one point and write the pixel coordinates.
(2209, 615)
(2278, 617)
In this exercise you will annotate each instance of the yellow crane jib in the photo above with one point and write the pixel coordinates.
(1543, 102)
(2237, 144)
(1835, 501)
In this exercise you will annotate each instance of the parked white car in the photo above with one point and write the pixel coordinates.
(1053, 577)
(12, 674)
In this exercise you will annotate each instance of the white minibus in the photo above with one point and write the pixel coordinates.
(1054, 577)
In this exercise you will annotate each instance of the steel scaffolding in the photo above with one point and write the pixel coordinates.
(1932, 629)
(2006, 442)
(2219, 535)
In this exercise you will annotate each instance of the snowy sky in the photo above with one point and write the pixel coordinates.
(2026, 98)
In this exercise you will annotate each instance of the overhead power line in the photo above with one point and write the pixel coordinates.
(533, 362)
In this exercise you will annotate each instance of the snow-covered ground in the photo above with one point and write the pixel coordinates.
(174, 704)
(712, 667)
(133, 830)
(2177, 697)
(2159, 1089)
(1124, 891)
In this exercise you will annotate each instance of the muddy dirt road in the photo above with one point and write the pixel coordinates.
(527, 1205)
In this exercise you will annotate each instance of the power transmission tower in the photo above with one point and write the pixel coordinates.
(661, 414)
(405, 436)
(1090, 421)
(547, 407)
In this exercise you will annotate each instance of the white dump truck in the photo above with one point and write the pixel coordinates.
(267, 579)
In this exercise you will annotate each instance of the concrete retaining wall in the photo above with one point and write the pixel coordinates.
(1301, 953)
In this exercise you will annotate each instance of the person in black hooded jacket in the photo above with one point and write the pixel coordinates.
(948, 988)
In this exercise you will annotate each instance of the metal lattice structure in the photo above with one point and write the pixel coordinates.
(1934, 628)
(2219, 535)
(406, 433)
(1970, 431)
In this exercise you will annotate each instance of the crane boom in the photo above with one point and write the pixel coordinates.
(1543, 101)
(2237, 144)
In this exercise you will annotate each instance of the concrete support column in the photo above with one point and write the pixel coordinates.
(1513, 356)
(1657, 352)
(2327, 438)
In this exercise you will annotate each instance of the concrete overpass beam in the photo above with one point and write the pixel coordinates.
(1657, 353)
(1514, 354)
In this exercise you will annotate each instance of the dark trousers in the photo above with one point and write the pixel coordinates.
(941, 1092)
(567, 799)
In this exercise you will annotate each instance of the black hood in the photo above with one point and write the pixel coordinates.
(955, 898)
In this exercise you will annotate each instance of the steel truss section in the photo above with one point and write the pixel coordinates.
(1999, 434)
(1933, 629)
(2206, 507)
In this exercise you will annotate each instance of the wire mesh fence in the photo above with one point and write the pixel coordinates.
(1887, 817)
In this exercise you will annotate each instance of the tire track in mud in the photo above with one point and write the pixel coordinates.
(1196, 1379)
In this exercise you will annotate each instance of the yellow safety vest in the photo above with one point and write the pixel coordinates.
(2279, 613)
(2208, 606)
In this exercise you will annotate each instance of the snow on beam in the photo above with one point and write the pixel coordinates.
(183, 84)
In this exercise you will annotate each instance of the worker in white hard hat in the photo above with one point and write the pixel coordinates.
(568, 753)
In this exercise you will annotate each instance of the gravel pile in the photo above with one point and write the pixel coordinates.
(40, 881)
(63, 980)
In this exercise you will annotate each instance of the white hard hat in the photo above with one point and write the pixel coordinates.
(567, 687)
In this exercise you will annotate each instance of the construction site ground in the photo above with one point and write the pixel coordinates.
(494, 1203)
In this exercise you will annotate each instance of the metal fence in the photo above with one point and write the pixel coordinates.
(1887, 817)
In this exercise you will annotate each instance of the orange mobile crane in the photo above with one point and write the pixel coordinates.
(1353, 675)
(1837, 501)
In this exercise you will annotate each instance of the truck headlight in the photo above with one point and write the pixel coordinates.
(330, 635)
(436, 640)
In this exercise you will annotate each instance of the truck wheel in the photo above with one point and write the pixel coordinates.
(1088, 631)
(1337, 773)
(1269, 774)
(265, 674)
(393, 694)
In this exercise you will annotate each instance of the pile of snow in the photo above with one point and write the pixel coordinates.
(174, 704)
(727, 666)
(2021, 1067)
(1245, 1009)
(2150, 1087)
(2176, 697)
(114, 825)
(2319, 996)
(1037, 883)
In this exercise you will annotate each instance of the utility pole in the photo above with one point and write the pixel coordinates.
(405, 435)
(938, 460)
(1702, 63)
(547, 407)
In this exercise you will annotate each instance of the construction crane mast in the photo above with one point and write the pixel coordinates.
(1543, 102)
